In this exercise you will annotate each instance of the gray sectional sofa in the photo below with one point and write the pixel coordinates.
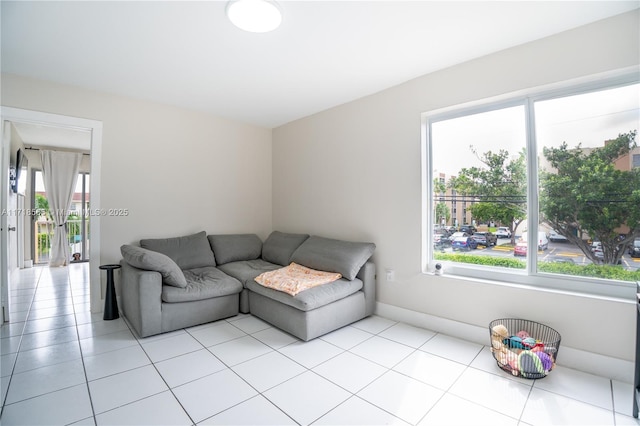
(173, 283)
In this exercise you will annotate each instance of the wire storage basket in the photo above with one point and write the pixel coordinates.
(524, 348)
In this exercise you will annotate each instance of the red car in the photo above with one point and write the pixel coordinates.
(520, 249)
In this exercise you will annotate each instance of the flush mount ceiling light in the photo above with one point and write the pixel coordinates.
(256, 16)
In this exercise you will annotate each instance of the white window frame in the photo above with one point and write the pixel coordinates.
(529, 277)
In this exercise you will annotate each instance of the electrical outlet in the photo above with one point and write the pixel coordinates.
(391, 275)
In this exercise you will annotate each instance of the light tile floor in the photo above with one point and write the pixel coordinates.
(62, 365)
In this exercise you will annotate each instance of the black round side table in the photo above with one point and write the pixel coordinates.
(110, 302)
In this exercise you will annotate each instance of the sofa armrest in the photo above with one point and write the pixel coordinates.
(141, 299)
(368, 276)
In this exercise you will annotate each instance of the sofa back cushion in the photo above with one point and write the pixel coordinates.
(190, 251)
(154, 261)
(279, 247)
(235, 247)
(327, 254)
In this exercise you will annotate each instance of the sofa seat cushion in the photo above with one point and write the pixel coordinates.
(247, 270)
(202, 283)
(312, 298)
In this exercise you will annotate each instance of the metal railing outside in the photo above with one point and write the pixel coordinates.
(43, 230)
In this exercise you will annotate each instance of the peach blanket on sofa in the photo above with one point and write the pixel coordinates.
(295, 278)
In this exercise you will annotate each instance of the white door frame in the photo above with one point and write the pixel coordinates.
(5, 138)
(8, 115)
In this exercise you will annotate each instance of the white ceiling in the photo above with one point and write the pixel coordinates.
(324, 54)
(43, 137)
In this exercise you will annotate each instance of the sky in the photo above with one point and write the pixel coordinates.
(40, 183)
(589, 119)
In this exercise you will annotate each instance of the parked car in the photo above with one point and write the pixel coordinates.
(437, 238)
(469, 229)
(634, 249)
(441, 239)
(464, 243)
(543, 241)
(503, 232)
(598, 252)
(458, 234)
(596, 248)
(555, 237)
(520, 249)
(486, 239)
(443, 232)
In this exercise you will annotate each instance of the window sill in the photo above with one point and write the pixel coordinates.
(566, 285)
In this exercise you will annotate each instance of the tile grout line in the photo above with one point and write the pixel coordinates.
(161, 376)
(306, 369)
(613, 402)
(15, 361)
(84, 367)
(229, 367)
(151, 363)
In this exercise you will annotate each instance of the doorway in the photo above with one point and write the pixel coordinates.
(9, 117)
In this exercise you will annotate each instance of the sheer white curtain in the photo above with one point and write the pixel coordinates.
(60, 173)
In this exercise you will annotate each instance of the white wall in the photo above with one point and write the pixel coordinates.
(354, 172)
(176, 171)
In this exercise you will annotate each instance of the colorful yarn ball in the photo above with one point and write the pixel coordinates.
(511, 359)
(539, 347)
(513, 342)
(529, 342)
(496, 344)
(547, 362)
(522, 334)
(530, 364)
(513, 365)
(500, 331)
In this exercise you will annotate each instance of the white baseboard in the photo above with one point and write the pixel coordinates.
(588, 362)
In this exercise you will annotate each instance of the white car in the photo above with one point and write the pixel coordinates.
(457, 235)
(503, 232)
(543, 241)
(555, 237)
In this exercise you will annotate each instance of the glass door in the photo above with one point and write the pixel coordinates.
(77, 221)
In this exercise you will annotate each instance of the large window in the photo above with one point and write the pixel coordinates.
(566, 216)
